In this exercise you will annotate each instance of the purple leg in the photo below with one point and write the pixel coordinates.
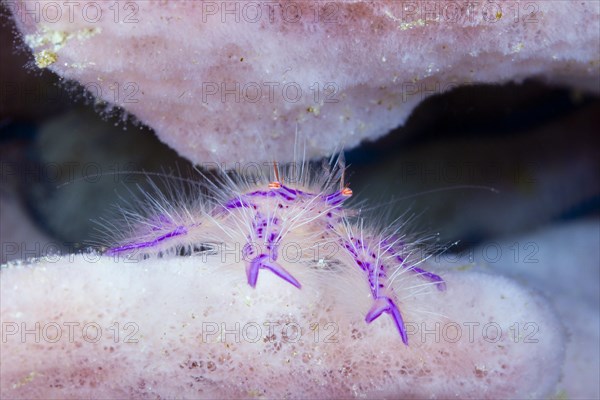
(237, 203)
(385, 304)
(180, 230)
(262, 261)
(440, 284)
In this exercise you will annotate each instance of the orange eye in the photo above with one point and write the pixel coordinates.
(274, 185)
(347, 191)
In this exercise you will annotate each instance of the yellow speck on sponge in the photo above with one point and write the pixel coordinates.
(45, 58)
(55, 40)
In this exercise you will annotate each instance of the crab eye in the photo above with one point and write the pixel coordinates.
(346, 191)
(274, 185)
(337, 198)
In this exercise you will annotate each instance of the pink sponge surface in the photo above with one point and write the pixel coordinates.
(190, 329)
(233, 81)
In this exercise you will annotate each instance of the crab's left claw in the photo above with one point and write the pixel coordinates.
(385, 304)
(262, 261)
(180, 230)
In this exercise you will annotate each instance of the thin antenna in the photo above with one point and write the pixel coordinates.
(276, 169)
(277, 183)
(341, 163)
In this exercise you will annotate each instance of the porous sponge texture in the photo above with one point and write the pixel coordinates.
(210, 82)
(197, 330)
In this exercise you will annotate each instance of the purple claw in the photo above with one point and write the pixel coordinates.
(180, 230)
(262, 261)
(441, 285)
(385, 304)
(237, 203)
(439, 282)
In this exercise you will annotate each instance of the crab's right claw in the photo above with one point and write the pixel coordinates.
(385, 304)
(431, 277)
